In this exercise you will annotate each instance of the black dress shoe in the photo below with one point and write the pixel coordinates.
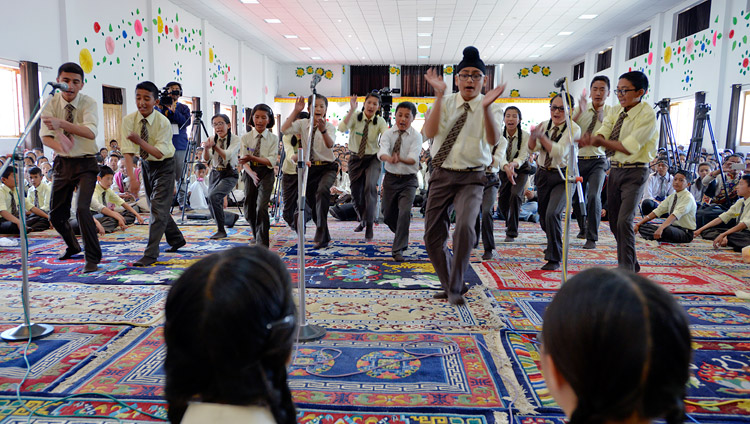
(487, 256)
(90, 267)
(398, 257)
(219, 235)
(457, 300)
(440, 295)
(359, 228)
(321, 245)
(368, 232)
(176, 246)
(69, 253)
(144, 261)
(551, 266)
(581, 235)
(590, 244)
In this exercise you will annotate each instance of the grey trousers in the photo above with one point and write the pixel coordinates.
(509, 201)
(320, 178)
(364, 174)
(289, 196)
(256, 203)
(463, 191)
(158, 179)
(179, 162)
(110, 224)
(739, 240)
(550, 188)
(398, 198)
(484, 224)
(671, 234)
(624, 190)
(218, 188)
(593, 172)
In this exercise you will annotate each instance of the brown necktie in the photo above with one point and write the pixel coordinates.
(144, 136)
(311, 143)
(509, 150)
(69, 108)
(256, 150)
(547, 155)
(104, 199)
(595, 118)
(13, 205)
(450, 140)
(221, 146)
(674, 205)
(363, 141)
(397, 146)
(615, 135)
(36, 198)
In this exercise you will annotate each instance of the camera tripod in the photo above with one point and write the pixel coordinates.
(666, 136)
(696, 142)
(187, 165)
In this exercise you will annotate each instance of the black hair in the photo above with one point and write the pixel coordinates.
(571, 100)
(174, 83)
(40, 158)
(104, 170)
(200, 165)
(115, 140)
(361, 114)
(71, 68)
(317, 97)
(99, 158)
(265, 108)
(623, 344)
(34, 170)
(704, 164)
(407, 105)
(638, 79)
(114, 154)
(520, 118)
(30, 153)
(303, 115)
(736, 155)
(227, 121)
(746, 177)
(148, 86)
(518, 128)
(8, 171)
(689, 176)
(239, 304)
(602, 78)
(104, 148)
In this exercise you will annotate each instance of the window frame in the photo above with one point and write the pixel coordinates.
(606, 53)
(16, 93)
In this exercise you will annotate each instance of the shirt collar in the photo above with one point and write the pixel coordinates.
(75, 101)
(150, 118)
(473, 103)
(255, 133)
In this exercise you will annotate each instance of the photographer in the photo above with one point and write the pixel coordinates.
(179, 116)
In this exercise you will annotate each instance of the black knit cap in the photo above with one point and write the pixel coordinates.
(471, 59)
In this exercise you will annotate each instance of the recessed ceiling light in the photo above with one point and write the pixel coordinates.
(339, 20)
(424, 34)
(587, 16)
(363, 57)
(290, 36)
(492, 47)
(356, 48)
(502, 33)
(304, 48)
(315, 57)
(534, 55)
(424, 47)
(249, 1)
(424, 18)
(424, 57)
(272, 21)
(548, 45)
(350, 36)
(564, 32)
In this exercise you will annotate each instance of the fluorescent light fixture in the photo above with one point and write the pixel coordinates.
(304, 48)
(423, 57)
(502, 33)
(272, 21)
(424, 47)
(315, 57)
(290, 36)
(249, 1)
(564, 32)
(363, 57)
(535, 55)
(424, 18)
(548, 45)
(587, 16)
(424, 34)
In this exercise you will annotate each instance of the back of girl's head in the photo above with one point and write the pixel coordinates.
(230, 325)
(622, 343)
(265, 108)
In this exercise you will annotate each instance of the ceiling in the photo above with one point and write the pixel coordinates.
(365, 32)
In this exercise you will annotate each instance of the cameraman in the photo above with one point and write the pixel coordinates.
(179, 116)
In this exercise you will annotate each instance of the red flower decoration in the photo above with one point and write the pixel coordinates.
(745, 62)
(678, 49)
(97, 27)
(731, 34)
(166, 30)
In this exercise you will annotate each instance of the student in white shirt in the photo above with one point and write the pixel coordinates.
(737, 236)
(38, 192)
(515, 173)
(221, 152)
(658, 187)
(680, 208)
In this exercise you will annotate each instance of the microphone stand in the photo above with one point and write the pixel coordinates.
(572, 178)
(28, 330)
(307, 332)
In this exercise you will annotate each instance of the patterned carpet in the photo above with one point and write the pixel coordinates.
(404, 357)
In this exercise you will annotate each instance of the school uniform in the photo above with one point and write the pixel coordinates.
(77, 168)
(222, 178)
(456, 180)
(551, 186)
(682, 206)
(364, 164)
(740, 212)
(320, 177)
(289, 180)
(485, 223)
(158, 176)
(9, 202)
(39, 196)
(510, 197)
(400, 183)
(198, 192)
(658, 187)
(592, 166)
(724, 197)
(639, 134)
(107, 198)
(265, 145)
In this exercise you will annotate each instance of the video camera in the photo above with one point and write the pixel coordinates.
(165, 97)
(386, 101)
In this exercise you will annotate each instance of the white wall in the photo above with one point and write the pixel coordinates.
(296, 79)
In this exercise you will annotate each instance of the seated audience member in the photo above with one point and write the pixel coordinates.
(736, 236)
(198, 190)
(679, 207)
(697, 188)
(722, 198)
(658, 187)
(41, 160)
(236, 373)
(38, 192)
(616, 348)
(36, 219)
(122, 186)
(105, 200)
(114, 146)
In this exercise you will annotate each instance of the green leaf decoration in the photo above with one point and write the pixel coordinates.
(734, 20)
(137, 12)
(110, 28)
(176, 17)
(734, 45)
(154, 21)
(744, 39)
(160, 10)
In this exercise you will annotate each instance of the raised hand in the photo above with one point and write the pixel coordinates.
(583, 101)
(436, 81)
(299, 105)
(493, 95)
(353, 102)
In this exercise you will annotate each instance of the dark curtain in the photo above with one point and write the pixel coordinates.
(413, 83)
(112, 95)
(489, 85)
(639, 44)
(604, 60)
(578, 71)
(30, 96)
(734, 114)
(364, 79)
(695, 19)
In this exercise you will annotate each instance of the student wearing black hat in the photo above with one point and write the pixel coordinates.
(680, 206)
(464, 131)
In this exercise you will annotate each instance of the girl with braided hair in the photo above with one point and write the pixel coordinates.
(616, 348)
(230, 327)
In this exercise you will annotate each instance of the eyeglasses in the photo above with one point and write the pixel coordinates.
(623, 91)
(218, 124)
(474, 77)
(558, 108)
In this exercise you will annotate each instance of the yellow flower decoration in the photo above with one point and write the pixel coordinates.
(668, 54)
(523, 73)
(292, 94)
(320, 71)
(343, 69)
(514, 93)
(300, 72)
(86, 61)
(545, 71)
(210, 55)
(535, 69)
(552, 94)
(328, 74)
(448, 70)
(392, 69)
(159, 25)
(310, 70)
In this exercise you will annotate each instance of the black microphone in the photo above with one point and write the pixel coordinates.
(315, 81)
(559, 83)
(59, 85)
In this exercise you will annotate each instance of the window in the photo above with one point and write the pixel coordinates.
(11, 106)
(682, 114)
(693, 19)
(604, 60)
(745, 120)
(363, 79)
(638, 44)
(578, 71)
